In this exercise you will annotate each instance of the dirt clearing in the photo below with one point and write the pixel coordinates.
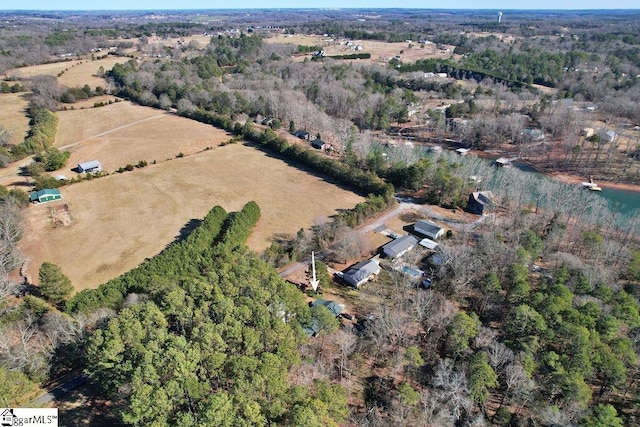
(124, 218)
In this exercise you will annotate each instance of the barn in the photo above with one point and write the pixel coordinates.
(89, 167)
(45, 195)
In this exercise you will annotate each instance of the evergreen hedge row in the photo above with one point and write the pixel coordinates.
(180, 259)
(42, 135)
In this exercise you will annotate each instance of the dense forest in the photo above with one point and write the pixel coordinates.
(533, 316)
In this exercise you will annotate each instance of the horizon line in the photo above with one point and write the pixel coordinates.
(318, 8)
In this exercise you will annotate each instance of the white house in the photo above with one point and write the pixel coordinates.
(429, 229)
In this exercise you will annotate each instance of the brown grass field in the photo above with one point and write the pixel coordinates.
(201, 41)
(44, 69)
(12, 115)
(81, 125)
(85, 73)
(78, 72)
(380, 51)
(123, 133)
(124, 218)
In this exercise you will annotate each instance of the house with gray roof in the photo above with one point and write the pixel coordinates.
(318, 144)
(481, 202)
(399, 246)
(429, 229)
(360, 273)
(301, 133)
(89, 167)
(609, 136)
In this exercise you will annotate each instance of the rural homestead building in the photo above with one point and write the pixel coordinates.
(429, 244)
(332, 306)
(360, 273)
(429, 229)
(302, 134)
(45, 195)
(318, 144)
(481, 202)
(503, 162)
(90, 166)
(609, 136)
(534, 134)
(400, 246)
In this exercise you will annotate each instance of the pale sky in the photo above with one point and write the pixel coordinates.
(254, 4)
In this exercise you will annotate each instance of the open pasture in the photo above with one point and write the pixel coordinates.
(86, 73)
(379, 50)
(52, 69)
(122, 219)
(80, 125)
(13, 115)
(146, 134)
(77, 72)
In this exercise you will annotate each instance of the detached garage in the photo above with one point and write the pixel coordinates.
(90, 166)
(45, 195)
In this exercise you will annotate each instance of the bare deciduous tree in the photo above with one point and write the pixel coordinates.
(451, 389)
(346, 342)
(5, 136)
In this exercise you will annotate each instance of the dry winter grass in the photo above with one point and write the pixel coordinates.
(86, 73)
(12, 115)
(80, 125)
(380, 51)
(44, 69)
(123, 133)
(124, 218)
(74, 73)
